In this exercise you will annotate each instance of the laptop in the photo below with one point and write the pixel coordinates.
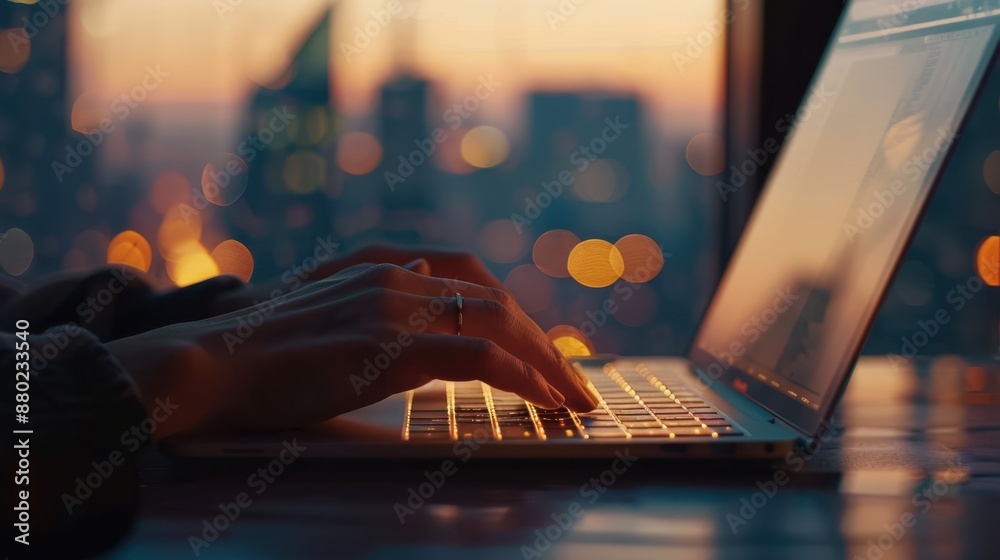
(781, 335)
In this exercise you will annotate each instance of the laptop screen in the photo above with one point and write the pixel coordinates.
(859, 162)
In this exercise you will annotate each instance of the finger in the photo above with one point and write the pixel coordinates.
(563, 377)
(420, 266)
(399, 278)
(499, 316)
(466, 358)
(489, 319)
(445, 263)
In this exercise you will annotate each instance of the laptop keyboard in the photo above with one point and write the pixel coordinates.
(634, 403)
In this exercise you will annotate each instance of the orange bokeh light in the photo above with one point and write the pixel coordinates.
(132, 249)
(233, 258)
(571, 341)
(179, 234)
(485, 146)
(595, 263)
(15, 49)
(551, 252)
(642, 257)
(706, 153)
(988, 260)
(193, 267)
(358, 153)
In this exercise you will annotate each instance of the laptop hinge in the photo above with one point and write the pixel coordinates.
(746, 404)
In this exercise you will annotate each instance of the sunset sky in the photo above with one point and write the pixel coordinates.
(214, 54)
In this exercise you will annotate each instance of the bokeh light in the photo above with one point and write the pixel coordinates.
(169, 189)
(192, 267)
(706, 153)
(316, 125)
(500, 242)
(604, 180)
(595, 263)
(571, 341)
(991, 171)
(16, 251)
(531, 289)
(224, 179)
(358, 153)
(179, 234)
(100, 18)
(641, 256)
(87, 113)
(902, 139)
(15, 49)
(233, 258)
(485, 146)
(988, 260)
(132, 249)
(551, 252)
(304, 172)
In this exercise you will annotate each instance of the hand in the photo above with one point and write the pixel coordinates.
(305, 358)
(444, 263)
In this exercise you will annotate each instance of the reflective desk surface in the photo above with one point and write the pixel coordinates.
(915, 474)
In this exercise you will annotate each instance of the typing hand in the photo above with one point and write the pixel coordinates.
(343, 342)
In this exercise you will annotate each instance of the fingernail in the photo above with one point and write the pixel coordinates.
(557, 397)
(585, 383)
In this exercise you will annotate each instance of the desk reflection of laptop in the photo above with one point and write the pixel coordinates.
(781, 335)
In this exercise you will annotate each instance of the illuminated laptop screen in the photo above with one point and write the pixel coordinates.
(819, 252)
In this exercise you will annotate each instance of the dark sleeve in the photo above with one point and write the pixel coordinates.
(80, 472)
(87, 421)
(111, 303)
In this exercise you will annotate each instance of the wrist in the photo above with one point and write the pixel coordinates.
(176, 379)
